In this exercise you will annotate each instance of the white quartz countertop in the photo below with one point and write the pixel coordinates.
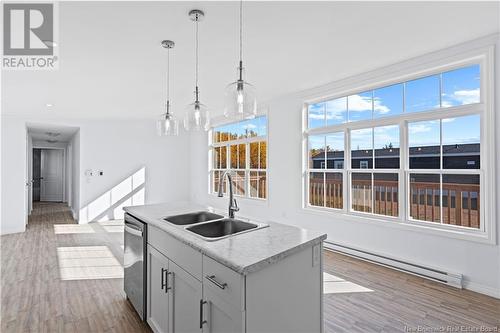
(244, 253)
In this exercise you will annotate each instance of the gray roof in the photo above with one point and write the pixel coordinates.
(469, 149)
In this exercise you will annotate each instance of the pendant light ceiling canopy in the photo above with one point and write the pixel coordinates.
(240, 96)
(168, 125)
(197, 117)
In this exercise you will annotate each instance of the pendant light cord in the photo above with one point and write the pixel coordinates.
(168, 75)
(241, 31)
(196, 50)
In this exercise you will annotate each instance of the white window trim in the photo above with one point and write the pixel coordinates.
(246, 141)
(481, 52)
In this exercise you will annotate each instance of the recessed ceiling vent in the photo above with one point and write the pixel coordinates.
(52, 134)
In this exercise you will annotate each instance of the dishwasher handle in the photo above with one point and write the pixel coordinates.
(133, 231)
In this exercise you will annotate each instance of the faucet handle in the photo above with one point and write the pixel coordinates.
(235, 206)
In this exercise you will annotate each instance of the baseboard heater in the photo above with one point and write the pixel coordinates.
(448, 278)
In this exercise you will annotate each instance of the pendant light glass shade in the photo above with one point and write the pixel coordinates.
(240, 101)
(197, 117)
(168, 125)
(240, 96)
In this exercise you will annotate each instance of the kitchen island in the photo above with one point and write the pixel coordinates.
(268, 279)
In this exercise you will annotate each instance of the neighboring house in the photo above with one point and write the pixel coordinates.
(463, 156)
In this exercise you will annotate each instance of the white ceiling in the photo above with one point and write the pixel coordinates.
(112, 65)
(39, 132)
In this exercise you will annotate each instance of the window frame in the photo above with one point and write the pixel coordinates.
(247, 141)
(438, 62)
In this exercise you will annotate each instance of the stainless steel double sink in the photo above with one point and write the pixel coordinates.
(211, 226)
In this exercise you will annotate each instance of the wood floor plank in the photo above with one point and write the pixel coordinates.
(37, 296)
(34, 296)
(400, 300)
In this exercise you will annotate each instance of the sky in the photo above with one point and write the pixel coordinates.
(258, 125)
(459, 87)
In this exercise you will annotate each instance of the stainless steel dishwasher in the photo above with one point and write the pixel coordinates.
(134, 263)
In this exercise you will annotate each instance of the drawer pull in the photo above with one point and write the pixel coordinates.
(163, 284)
(212, 279)
(201, 313)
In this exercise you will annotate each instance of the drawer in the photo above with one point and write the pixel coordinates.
(183, 255)
(224, 282)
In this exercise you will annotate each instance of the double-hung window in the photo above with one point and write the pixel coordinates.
(410, 151)
(241, 147)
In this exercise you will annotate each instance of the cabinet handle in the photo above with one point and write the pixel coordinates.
(212, 279)
(163, 284)
(166, 281)
(201, 313)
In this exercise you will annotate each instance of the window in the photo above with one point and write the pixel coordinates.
(241, 147)
(420, 137)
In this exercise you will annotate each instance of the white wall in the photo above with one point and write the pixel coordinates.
(478, 262)
(29, 178)
(75, 174)
(118, 147)
(13, 176)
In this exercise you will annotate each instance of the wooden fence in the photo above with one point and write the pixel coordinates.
(460, 201)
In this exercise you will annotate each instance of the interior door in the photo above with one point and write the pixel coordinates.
(187, 294)
(51, 170)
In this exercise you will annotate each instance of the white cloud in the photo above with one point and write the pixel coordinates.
(249, 126)
(461, 97)
(419, 128)
(316, 116)
(336, 109)
(359, 103)
(467, 96)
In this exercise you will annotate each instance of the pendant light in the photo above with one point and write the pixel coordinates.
(196, 117)
(168, 125)
(240, 99)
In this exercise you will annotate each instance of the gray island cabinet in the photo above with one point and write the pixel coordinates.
(267, 280)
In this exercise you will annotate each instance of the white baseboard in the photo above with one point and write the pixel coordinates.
(404, 266)
(432, 273)
(13, 231)
(481, 288)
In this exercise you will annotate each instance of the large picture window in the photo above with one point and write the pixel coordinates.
(407, 152)
(241, 147)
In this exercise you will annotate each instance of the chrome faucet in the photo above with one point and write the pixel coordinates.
(233, 206)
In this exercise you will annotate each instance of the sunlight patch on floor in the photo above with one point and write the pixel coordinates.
(335, 285)
(110, 223)
(88, 262)
(73, 229)
(113, 228)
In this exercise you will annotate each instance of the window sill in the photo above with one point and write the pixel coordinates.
(242, 199)
(478, 236)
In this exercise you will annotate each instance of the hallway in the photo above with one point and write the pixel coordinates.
(59, 276)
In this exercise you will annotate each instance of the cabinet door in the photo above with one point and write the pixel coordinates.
(158, 308)
(185, 300)
(221, 316)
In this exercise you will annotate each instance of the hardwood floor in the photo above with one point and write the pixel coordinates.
(62, 277)
(34, 296)
(401, 302)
